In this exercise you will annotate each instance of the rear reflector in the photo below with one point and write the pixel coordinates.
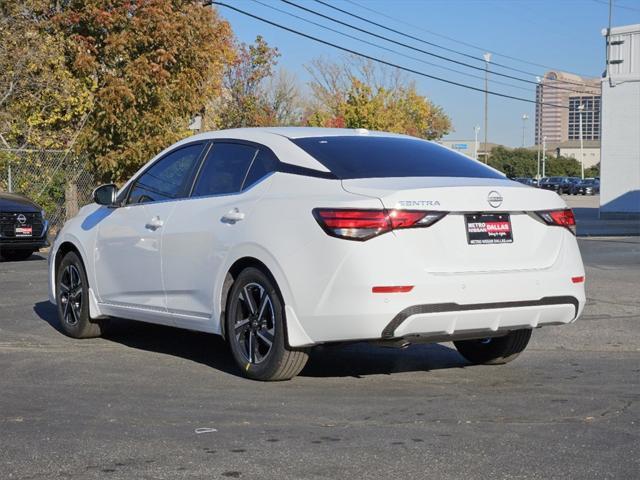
(362, 225)
(560, 218)
(577, 279)
(398, 289)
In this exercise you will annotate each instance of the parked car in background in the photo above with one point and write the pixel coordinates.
(557, 184)
(23, 229)
(527, 181)
(280, 239)
(573, 181)
(588, 186)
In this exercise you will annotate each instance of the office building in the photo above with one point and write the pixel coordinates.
(559, 95)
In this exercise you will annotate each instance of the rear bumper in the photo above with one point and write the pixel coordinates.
(459, 309)
(446, 320)
(342, 306)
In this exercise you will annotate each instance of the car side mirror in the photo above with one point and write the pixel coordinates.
(105, 194)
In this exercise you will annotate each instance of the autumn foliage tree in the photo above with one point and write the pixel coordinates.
(154, 64)
(253, 94)
(119, 80)
(42, 104)
(243, 102)
(359, 94)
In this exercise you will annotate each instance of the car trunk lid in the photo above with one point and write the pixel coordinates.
(445, 246)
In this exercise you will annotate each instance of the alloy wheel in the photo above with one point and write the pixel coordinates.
(71, 295)
(254, 325)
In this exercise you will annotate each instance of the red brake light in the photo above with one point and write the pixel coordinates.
(354, 224)
(561, 218)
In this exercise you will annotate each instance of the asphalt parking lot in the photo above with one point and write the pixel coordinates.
(130, 405)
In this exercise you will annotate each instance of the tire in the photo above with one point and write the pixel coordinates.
(494, 351)
(72, 300)
(254, 318)
(16, 255)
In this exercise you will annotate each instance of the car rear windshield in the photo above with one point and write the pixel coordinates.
(373, 157)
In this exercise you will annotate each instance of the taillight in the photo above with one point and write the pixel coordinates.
(353, 224)
(560, 218)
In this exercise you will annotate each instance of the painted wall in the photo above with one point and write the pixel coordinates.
(591, 155)
(620, 142)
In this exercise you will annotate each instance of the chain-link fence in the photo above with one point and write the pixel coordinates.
(58, 181)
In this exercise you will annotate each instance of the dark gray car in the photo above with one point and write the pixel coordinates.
(23, 229)
(557, 184)
(588, 186)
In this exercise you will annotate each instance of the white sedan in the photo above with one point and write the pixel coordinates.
(280, 239)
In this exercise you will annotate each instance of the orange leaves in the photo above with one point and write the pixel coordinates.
(357, 94)
(156, 63)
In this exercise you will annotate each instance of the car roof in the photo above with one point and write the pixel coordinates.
(296, 132)
(278, 140)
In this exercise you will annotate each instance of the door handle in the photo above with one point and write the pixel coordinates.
(233, 216)
(154, 224)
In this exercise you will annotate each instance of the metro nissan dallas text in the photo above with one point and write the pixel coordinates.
(280, 239)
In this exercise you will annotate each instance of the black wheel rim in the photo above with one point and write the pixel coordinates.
(254, 323)
(71, 295)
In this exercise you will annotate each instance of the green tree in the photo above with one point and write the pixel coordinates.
(154, 64)
(357, 94)
(523, 162)
(592, 172)
(42, 104)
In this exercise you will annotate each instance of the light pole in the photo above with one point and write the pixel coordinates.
(580, 111)
(525, 117)
(487, 59)
(544, 154)
(476, 129)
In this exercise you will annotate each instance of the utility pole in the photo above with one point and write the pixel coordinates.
(487, 59)
(525, 117)
(580, 111)
(609, 43)
(538, 134)
(476, 129)
(544, 155)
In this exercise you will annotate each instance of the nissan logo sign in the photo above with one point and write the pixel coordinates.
(494, 199)
(21, 218)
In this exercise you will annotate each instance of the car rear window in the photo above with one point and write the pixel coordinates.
(373, 157)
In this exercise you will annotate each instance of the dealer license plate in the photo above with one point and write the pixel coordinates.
(24, 231)
(487, 228)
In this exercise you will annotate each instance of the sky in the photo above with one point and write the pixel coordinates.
(561, 34)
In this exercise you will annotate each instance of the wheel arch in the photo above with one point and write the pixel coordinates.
(64, 248)
(71, 244)
(295, 334)
(232, 273)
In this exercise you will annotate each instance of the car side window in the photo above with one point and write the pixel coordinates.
(167, 179)
(224, 169)
(264, 163)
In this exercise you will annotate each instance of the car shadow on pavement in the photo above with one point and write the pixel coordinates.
(362, 359)
(338, 360)
(47, 312)
(33, 258)
(198, 347)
